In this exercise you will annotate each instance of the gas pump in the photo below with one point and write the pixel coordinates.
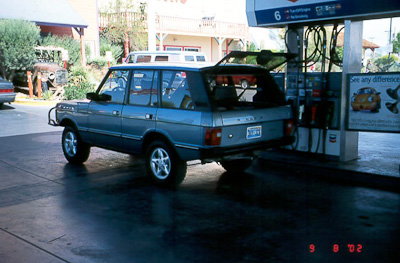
(315, 96)
(320, 96)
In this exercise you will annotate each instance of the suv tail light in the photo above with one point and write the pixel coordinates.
(213, 137)
(289, 124)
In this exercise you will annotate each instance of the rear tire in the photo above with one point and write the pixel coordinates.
(236, 166)
(75, 151)
(164, 166)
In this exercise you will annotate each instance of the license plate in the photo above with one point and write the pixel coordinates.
(253, 132)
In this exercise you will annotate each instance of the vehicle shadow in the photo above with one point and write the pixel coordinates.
(121, 177)
(6, 107)
(256, 186)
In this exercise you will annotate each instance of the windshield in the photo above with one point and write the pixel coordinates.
(234, 87)
(264, 58)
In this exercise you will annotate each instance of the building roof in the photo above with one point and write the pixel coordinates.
(365, 43)
(43, 12)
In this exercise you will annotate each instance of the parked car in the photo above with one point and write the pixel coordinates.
(53, 76)
(366, 99)
(6, 91)
(170, 56)
(173, 113)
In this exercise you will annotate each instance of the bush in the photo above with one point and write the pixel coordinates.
(78, 84)
(98, 62)
(78, 91)
(105, 45)
(47, 95)
(18, 40)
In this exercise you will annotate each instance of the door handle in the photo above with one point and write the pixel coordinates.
(115, 113)
(149, 116)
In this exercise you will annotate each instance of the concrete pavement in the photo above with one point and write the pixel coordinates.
(106, 211)
(378, 164)
(19, 119)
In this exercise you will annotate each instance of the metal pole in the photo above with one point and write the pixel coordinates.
(390, 35)
(352, 56)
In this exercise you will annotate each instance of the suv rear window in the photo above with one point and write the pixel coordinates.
(237, 87)
(175, 90)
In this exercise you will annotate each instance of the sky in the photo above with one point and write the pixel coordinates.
(377, 31)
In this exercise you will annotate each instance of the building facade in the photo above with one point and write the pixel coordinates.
(212, 27)
(88, 10)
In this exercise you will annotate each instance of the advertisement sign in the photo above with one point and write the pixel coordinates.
(283, 12)
(374, 102)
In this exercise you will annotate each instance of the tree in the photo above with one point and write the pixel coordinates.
(126, 24)
(396, 44)
(386, 63)
(18, 39)
(106, 45)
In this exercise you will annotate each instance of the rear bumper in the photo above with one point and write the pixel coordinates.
(217, 152)
(7, 97)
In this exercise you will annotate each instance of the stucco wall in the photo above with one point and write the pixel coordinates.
(88, 10)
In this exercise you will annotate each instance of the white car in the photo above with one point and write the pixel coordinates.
(165, 56)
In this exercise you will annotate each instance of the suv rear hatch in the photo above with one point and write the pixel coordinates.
(248, 106)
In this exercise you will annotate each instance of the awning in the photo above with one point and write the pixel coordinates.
(43, 12)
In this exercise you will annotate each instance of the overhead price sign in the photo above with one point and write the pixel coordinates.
(283, 12)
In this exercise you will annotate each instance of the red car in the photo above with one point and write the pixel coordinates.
(244, 80)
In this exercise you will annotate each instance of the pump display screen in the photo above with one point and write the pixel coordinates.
(281, 13)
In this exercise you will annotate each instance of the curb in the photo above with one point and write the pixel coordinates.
(34, 102)
(25, 100)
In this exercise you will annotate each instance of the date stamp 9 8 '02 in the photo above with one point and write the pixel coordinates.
(336, 248)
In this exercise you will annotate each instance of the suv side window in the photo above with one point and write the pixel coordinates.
(189, 58)
(175, 90)
(201, 58)
(143, 89)
(161, 58)
(115, 85)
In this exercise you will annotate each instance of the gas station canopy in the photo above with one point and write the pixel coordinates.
(281, 13)
(43, 12)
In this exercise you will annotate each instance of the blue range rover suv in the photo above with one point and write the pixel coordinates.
(171, 113)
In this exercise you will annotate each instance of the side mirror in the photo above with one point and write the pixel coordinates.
(91, 96)
(96, 97)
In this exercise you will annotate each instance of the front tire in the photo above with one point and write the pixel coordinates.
(163, 165)
(75, 151)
